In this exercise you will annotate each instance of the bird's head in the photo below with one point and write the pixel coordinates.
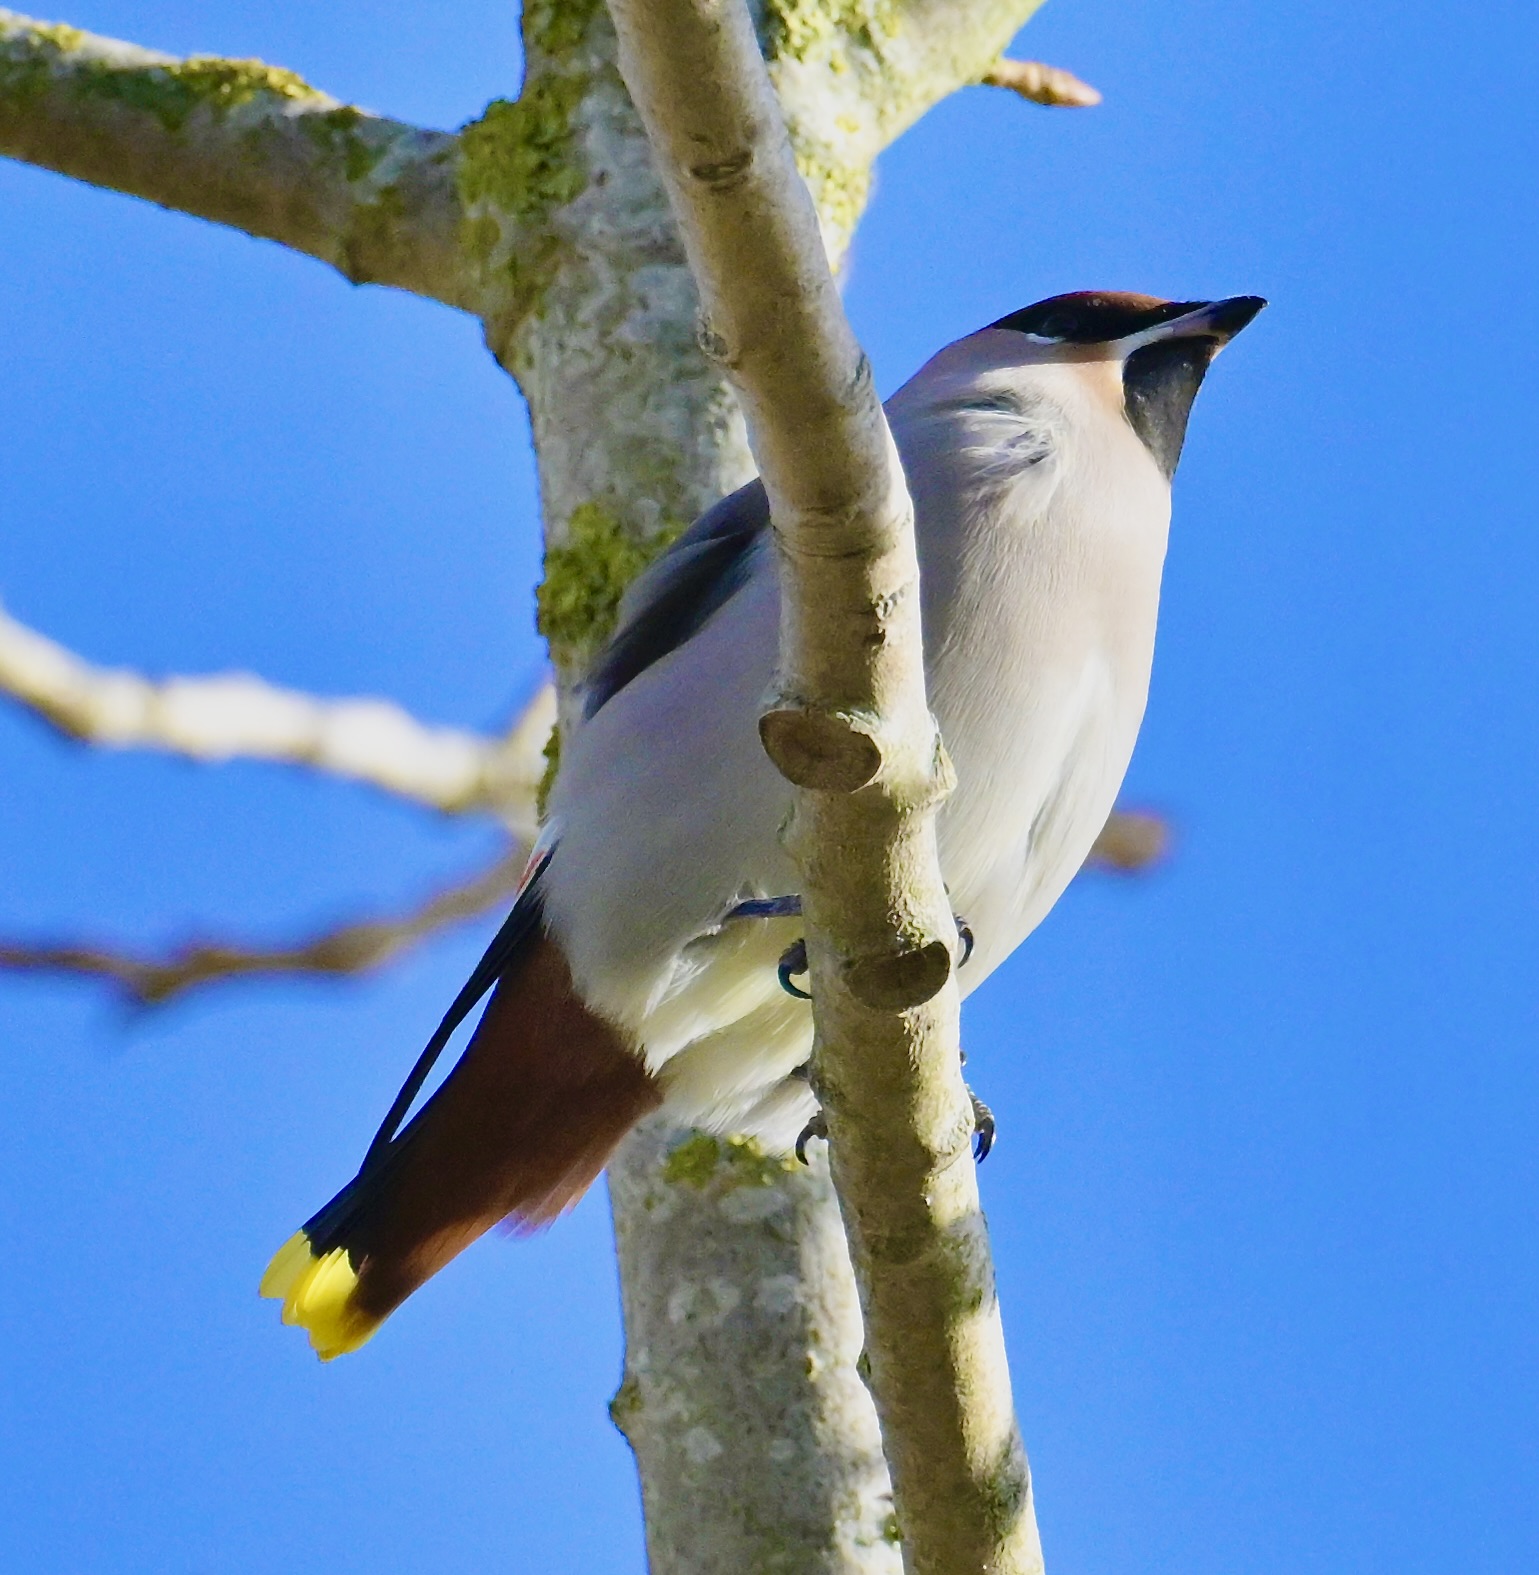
(1151, 354)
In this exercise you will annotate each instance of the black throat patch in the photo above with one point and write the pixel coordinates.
(1159, 383)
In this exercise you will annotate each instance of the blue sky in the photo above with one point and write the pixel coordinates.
(1264, 1202)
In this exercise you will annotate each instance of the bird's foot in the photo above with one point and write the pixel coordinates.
(793, 960)
(985, 1128)
(816, 1128)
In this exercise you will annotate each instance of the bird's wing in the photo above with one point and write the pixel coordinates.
(505, 944)
(673, 598)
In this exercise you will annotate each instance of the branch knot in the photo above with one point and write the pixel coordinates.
(723, 174)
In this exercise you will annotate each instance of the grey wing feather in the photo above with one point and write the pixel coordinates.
(674, 597)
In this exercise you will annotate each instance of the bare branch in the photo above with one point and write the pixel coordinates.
(348, 949)
(1041, 84)
(1131, 842)
(852, 730)
(242, 143)
(236, 716)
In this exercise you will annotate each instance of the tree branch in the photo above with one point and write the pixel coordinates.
(852, 730)
(236, 716)
(1041, 84)
(242, 143)
(1130, 842)
(347, 949)
(934, 47)
(852, 79)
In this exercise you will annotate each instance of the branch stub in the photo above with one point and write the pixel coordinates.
(820, 749)
(898, 981)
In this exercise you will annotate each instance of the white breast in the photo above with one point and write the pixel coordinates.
(1042, 590)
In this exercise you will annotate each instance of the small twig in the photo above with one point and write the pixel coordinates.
(236, 716)
(1041, 84)
(352, 948)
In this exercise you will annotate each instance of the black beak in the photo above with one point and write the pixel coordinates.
(1220, 320)
(1165, 366)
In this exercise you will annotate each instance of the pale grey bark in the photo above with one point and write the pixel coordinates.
(741, 1391)
(850, 727)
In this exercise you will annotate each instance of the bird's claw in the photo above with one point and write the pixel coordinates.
(816, 1128)
(793, 960)
(984, 1128)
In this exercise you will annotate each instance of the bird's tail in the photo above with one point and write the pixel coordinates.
(518, 1131)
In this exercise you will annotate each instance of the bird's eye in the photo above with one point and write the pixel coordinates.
(1058, 325)
(991, 404)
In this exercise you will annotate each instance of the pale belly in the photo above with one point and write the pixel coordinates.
(727, 1042)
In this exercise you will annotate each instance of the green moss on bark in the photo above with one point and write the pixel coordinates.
(701, 1159)
(805, 29)
(627, 1403)
(517, 164)
(585, 577)
(43, 58)
(30, 58)
(557, 27)
(521, 155)
(552, 757)
(171, 93)
(336, 132)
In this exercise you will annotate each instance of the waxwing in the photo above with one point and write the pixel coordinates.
(651, 958)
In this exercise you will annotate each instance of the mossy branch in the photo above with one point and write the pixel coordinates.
(241, 143)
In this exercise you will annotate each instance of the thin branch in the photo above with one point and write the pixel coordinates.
(242, 143)
(236, 716)
(851, 729)
(1041, 84)
(355, 948)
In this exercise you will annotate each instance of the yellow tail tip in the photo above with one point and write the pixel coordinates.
(317, 1295)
